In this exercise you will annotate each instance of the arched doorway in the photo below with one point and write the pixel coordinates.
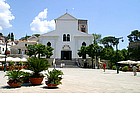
(66, 53)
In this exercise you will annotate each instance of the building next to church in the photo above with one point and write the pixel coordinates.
(68, 37)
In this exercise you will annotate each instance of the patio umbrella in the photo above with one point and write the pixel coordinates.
(2, 55)
(23, 59)
(138, 62)
(16, 59)
(8, 59)
(127, 62)
(1, 60)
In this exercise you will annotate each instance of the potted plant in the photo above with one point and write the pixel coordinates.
(54, 78)
(11, 65)
(26, 76)
(14, 78)
(37, 65)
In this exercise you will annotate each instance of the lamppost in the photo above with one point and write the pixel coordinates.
(6, 42)
(116, 43)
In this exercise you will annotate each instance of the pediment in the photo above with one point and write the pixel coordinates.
(66, 16)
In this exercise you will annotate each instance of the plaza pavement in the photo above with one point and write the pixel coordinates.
(79, 80)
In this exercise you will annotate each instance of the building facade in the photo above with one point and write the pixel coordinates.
(20, 49)
(68, 37)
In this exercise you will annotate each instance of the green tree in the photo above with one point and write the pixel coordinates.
(134, 52)
(134, 45)
(109, 41)
(96, 38)
(134, 36)
(113, 56)
(48, 51)
(125, 55)
(93, 51)
(82, 52)
(39, 50)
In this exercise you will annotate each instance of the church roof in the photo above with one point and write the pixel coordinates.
(51, 33)
(66, 16)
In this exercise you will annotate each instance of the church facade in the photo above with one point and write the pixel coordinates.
(68, 37)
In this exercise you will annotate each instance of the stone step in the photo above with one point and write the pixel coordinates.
(66, 63)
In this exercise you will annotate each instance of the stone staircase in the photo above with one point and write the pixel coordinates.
(68, 63)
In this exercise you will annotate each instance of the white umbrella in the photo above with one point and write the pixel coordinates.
(23, 59)
(127, 62)
(2, 59)
(138, 62)
(2, 55)
(16, 59)
(8, 59)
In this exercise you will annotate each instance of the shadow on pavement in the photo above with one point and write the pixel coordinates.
(45, 87)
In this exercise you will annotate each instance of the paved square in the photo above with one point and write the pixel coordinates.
(78, 80)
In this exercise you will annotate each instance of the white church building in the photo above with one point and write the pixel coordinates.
(68, 37)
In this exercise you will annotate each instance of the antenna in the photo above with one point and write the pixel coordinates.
(66, 10)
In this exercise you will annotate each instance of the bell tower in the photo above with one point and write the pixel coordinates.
(82, 26)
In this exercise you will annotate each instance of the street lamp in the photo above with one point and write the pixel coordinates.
(116, 43)
(6, 41)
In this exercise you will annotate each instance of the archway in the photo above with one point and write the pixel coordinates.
(66, 53)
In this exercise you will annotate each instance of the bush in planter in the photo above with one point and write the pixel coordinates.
(37, 65)
(54, 77)
(125, 68)
(114, 67)
(25, 77)
(14, 78)
(11, 65)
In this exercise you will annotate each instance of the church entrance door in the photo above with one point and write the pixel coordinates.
(66, 55)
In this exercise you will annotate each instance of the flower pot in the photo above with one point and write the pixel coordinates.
(36, 81)
(14, 84)
(51, 85)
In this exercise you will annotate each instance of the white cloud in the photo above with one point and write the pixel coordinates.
(40, 24)
(5, 15)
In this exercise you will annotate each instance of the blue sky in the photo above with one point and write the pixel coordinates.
(107, 17)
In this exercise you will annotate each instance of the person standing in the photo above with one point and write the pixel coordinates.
(104, 66)
(134, 70)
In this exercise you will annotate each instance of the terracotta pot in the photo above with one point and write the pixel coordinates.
(36, 81)
(14, 84)
(50, 85)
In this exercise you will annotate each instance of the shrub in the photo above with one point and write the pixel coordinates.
(114, 67)
(37, 65)
(54, 76)
(125, 68)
